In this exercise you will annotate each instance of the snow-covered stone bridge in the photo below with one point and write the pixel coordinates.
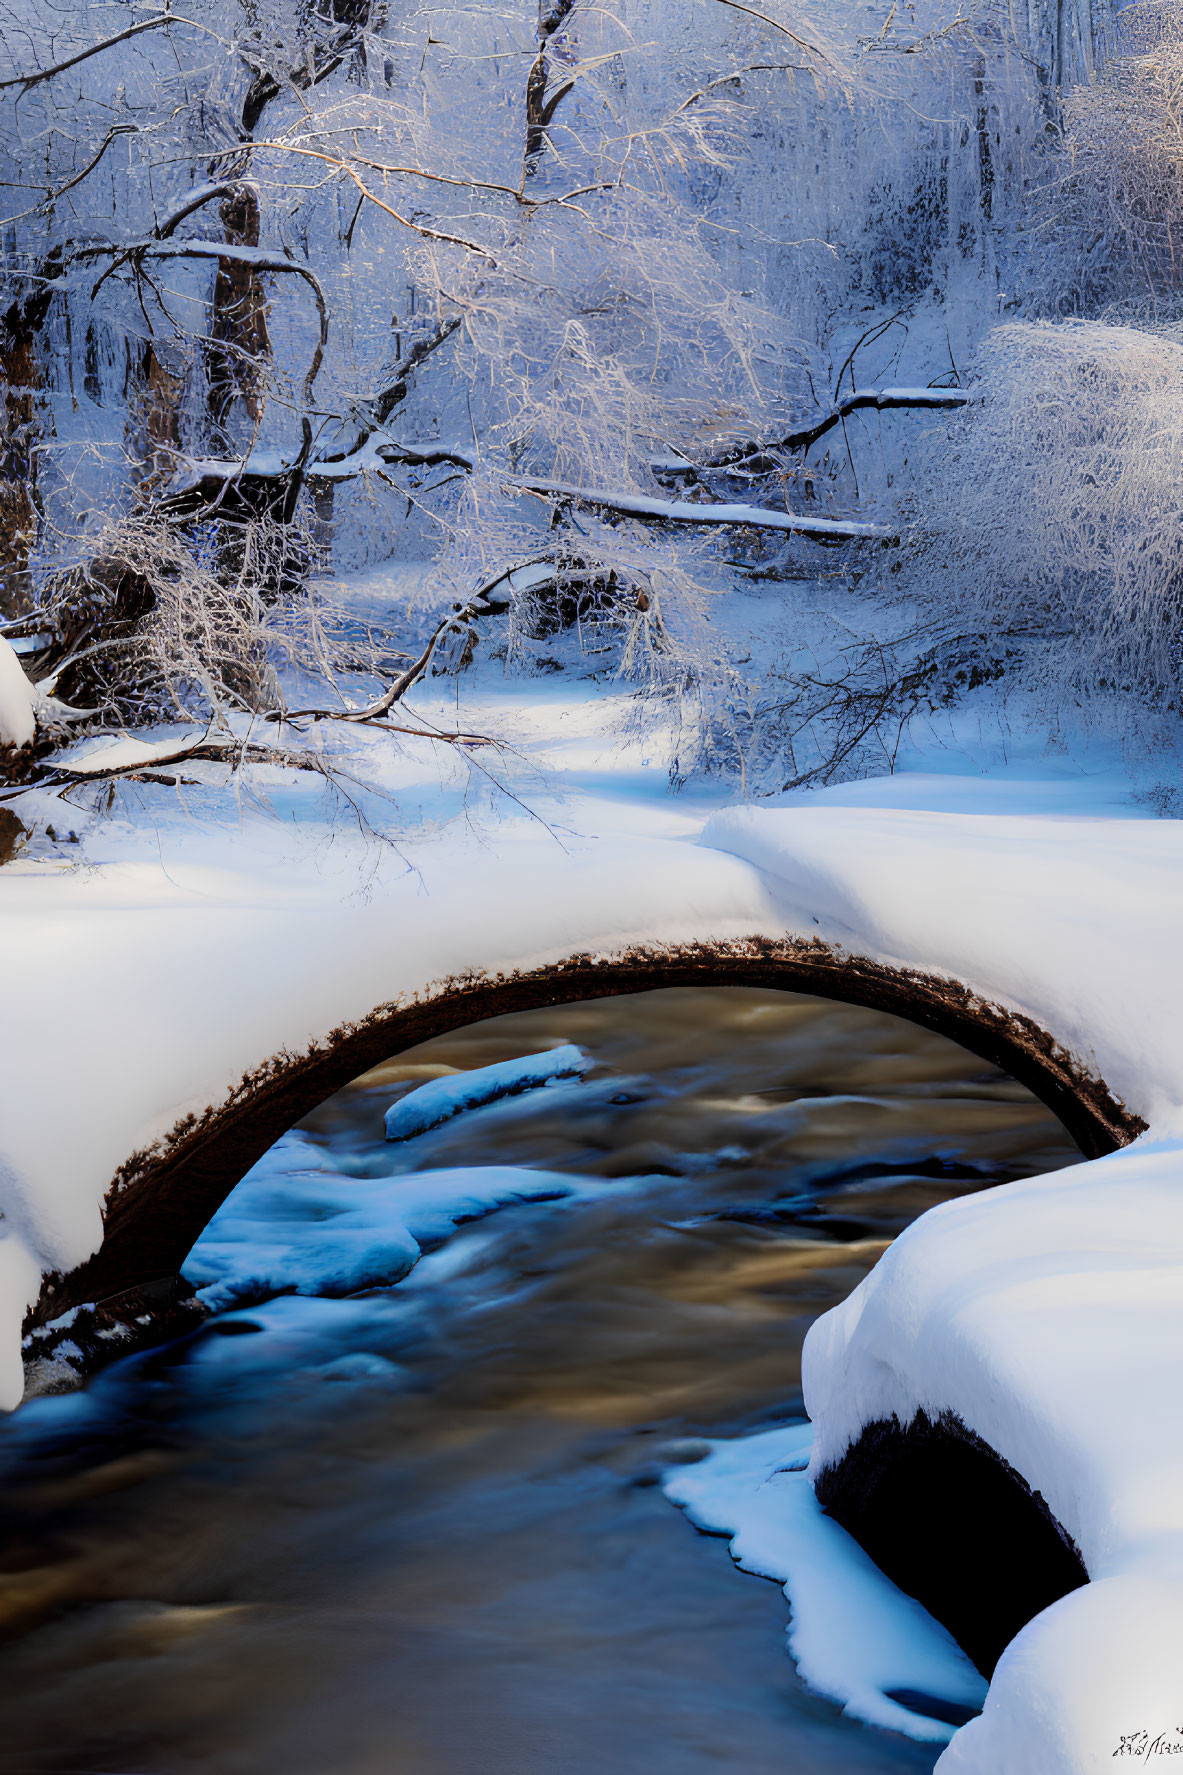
(169, 1015)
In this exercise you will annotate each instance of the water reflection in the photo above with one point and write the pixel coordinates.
(417, 1531)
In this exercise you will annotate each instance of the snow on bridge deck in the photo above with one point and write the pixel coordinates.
(142, 984)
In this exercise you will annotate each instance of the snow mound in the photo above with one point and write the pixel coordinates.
(1097, 1677)
(441, 1099)
(854, 1637)
(1046, 1314)
(18, 699)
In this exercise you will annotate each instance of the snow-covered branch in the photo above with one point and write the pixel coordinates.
(371, 415)
(802, 437)
(105, 757)
(479, 605)
(684, 511)
(224, 253)
(193, 201)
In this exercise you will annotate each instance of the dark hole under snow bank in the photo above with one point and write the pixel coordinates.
(955, 1526)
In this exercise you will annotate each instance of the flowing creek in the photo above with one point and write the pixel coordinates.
(421, 1534)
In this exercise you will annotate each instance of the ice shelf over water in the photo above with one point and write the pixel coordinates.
(854, 1636)
(296, 1226)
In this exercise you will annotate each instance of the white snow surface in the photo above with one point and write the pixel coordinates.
(854, 1636)
(440, 1099)
(103, 752)
(1065, 918)
(18, 699)
(185, 941)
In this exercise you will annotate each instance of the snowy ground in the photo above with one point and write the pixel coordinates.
(164, 950)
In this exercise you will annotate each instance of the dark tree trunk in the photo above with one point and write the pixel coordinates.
(241, 345)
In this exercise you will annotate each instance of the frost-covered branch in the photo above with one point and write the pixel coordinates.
(457, 619)
(254, 258)
(810, 46)
(348, 167)
(373, 414)
(195, 200)
(36, 75)
(56, 192)
(803, 437)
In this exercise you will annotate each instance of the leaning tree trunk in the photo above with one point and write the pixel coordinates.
(541, 101)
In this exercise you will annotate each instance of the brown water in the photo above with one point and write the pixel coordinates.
(461, 1564)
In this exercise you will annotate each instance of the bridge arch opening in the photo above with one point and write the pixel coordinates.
(958, 1481)
(161, 1199)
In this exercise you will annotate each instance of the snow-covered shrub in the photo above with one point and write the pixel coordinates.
(1052, 508)
(156, 623)
(1113, 212)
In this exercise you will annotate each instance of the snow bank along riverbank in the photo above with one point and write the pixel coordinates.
(1045, 1316)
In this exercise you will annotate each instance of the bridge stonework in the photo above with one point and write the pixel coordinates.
(163, 1197)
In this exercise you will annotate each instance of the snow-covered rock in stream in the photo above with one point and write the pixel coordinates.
(296, 1226)
(440, 1099)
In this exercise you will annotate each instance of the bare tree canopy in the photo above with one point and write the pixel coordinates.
(566, 299)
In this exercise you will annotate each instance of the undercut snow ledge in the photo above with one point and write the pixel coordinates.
(441, 1099)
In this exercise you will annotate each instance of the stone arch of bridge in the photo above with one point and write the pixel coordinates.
(162, 1199)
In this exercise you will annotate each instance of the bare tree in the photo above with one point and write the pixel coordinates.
(531, 281)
